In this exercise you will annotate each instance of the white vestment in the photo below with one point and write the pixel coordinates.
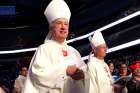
(100, 77)
(47, 71)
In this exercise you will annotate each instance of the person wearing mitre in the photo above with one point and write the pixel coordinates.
(56, 67)
(98, 70)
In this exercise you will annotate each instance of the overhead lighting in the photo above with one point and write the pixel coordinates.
(18, 51)
(126, 45)
(81, 37)
(119, 47)
(107, 26)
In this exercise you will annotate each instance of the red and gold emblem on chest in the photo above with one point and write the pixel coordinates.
(65, 53)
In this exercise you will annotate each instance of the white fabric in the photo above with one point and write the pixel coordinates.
(48, 37)
(97, 39)
(19, 84)
(100, 77)
(47, 71)
(57, 9)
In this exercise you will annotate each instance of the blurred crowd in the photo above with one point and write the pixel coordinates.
(125, 72)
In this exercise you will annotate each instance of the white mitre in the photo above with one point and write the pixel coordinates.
(97, 39)
(57, 9)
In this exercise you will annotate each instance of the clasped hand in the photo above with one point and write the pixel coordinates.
(74, 72)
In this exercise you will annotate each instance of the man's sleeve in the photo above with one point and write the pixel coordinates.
(93, 78)
(43, 71)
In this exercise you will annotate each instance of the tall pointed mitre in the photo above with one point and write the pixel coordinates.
(97, 39)
(56, 9)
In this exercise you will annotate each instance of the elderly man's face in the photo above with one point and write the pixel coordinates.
(100, 51)
(60, 29)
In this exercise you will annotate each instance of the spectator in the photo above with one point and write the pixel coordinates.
(133, 85)
(3, 87)
(2, 90)
(130, 84)
(112, 70)
(19, 82)
(111, 67)
(123, 70)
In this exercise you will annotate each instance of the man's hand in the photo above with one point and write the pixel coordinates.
(74, 72)
(79, 74)
(71, 70)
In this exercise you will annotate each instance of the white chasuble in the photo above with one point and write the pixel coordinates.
(100, 77)
(47, 71)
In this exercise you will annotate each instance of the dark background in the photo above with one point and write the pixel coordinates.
(25, 26)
